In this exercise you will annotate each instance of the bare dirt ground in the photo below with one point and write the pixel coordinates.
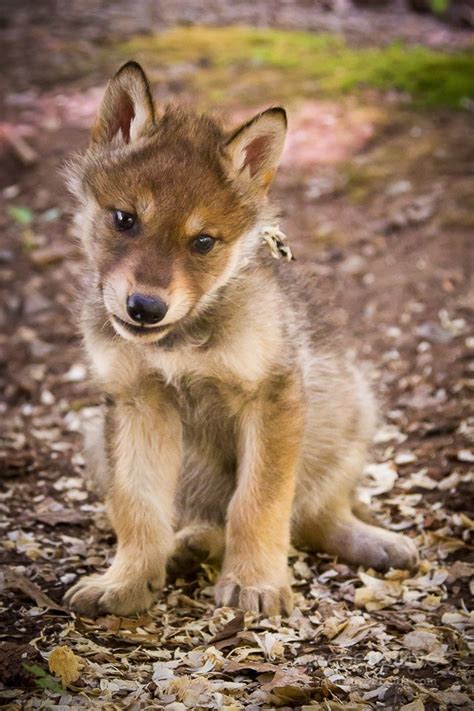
(378, 198)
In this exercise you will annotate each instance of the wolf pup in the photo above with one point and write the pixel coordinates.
(233, 423)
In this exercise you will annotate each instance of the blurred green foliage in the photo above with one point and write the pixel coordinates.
(42, 679)
(290, 63)
(439, 6)
(22, 215)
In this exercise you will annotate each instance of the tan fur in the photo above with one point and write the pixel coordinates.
(239, 422)
(258, 527)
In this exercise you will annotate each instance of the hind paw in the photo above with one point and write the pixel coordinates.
(194, 545)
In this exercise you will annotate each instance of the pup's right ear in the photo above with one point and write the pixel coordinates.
(127, 109)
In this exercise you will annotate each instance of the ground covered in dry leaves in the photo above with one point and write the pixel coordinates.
(377, 197)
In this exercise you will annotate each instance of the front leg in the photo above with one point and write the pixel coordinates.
(143, 435)
(255, 570)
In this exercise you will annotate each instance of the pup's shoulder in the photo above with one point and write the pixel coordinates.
(306, 307)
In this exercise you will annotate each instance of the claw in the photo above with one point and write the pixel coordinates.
(264, 598)
(101, 594)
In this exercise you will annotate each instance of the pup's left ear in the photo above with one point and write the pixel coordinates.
(127, 109)
(256, 147)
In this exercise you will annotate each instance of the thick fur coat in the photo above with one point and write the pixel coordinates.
(234, 422)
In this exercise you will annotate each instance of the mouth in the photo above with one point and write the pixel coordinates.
(140, 331)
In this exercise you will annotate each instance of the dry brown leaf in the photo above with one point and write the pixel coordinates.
(229, 642)
(236, 624)
(460, 619)
(377, 593)
(420, 640)
(289, 686)
(378, 479)
(114, 623)
(451, 698)
(272, 645)
(426, 645)
(332, 705)
(285, 678)
(16, 581)
(416, 705)
(231, 667)
(64, 663)
(60, 516)
(352, 631)
(290, 695)
(460, 569)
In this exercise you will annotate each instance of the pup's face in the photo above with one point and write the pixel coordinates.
(170, 205)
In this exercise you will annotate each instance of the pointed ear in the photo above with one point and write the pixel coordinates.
(127, 109)
(255, 148)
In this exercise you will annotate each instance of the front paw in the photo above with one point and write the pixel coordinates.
(267, 598)
(97, 595)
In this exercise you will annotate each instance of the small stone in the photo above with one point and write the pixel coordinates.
(405, 458)
(465, 455)
(394, 332)
(433, 332)
(6, 256)
(354, 264)
(373, 658)
(11, 192)
(399, 187)
(47, 397)
(68, 578)
(76, 373)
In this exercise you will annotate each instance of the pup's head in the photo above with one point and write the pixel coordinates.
(170, 204)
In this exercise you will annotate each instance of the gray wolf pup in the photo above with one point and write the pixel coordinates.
(234, 421)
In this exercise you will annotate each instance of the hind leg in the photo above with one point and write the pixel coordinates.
(195, 544)
(342, 534)
(339, 428)
(325, 518)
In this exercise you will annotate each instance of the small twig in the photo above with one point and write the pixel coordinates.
(24, 152)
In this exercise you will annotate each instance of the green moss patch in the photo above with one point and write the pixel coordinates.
(241, 64)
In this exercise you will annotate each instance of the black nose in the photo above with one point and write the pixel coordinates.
(146, 309)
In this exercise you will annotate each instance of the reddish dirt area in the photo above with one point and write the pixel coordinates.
(381, 209)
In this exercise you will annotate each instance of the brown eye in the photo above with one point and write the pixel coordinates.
(203, 244)
(123, 220)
